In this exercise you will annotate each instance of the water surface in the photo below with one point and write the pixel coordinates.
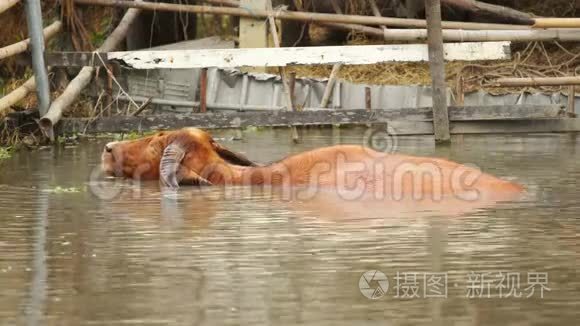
(71, 256)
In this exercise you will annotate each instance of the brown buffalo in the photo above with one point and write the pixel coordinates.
(191, 156)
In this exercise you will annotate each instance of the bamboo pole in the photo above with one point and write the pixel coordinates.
(437, 67)
(82, 80)
(20, 47)
(294, 15)
(478, 7)
(452, 35)
(17, 95)
(7, 4)
(541, 81)
(231, 3)
(563, 35)
(29, 86)
(557, 23)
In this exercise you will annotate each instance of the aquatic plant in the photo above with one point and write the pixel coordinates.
(5, 153)
(60, 190)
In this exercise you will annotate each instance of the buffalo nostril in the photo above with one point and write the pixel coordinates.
(108, 148)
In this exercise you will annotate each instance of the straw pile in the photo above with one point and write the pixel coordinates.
(535, 59)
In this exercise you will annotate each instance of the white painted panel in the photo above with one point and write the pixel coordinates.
(279, 57)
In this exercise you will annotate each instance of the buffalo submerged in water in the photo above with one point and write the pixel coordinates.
(190, 156)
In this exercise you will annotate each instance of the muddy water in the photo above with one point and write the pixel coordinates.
(79, 250)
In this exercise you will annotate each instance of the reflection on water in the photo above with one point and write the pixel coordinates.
(202, 257)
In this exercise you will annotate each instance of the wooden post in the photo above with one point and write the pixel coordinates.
(368, 99)
(289, 82)
(572, 101)
(281, 70)
(460, 91)
(203, 91)
(253, 32)
(292, 84)
(292, 87)
(437, 67)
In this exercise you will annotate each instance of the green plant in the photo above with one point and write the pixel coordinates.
(5, 153)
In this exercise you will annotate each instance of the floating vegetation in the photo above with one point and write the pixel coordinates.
(5, 153)
(63, 190)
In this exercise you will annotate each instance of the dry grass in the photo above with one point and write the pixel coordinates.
(535, 59)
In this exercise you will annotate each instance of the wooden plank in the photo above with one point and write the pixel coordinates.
(77, 59)
(506, 112)
(281, 57)
(82, 59)
(409, 121)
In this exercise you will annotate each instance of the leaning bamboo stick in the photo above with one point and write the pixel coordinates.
(82, 80)
(376, 11)
(478, 7)
(543, 81)
(330, 85)
(294, 15)
(7, 4)
(16, 48)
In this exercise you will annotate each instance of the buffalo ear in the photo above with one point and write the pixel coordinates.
(232, 157)
(172, 173)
